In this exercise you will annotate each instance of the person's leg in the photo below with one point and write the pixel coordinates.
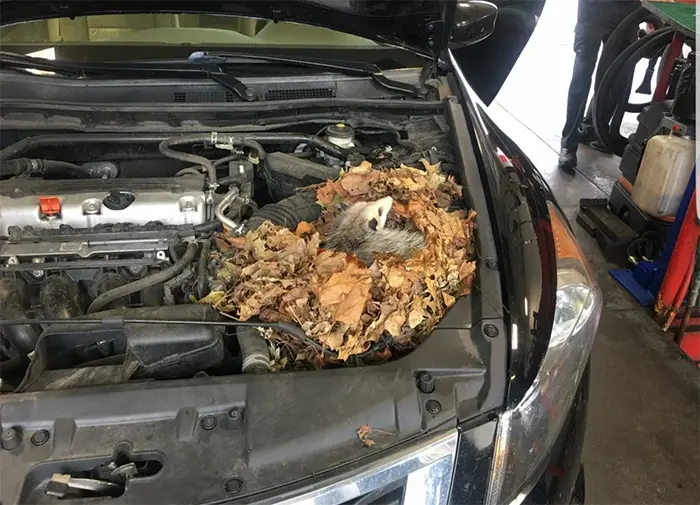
(586, 45)
(608, 20)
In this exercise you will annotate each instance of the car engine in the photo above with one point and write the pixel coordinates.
(99, 226)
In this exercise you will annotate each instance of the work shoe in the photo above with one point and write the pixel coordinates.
(599, 146)
(567, 160)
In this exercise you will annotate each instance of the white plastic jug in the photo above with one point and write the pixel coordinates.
(664, 174)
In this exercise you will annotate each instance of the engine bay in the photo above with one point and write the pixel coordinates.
(109, 229)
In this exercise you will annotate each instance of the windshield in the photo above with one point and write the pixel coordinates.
(169, 30)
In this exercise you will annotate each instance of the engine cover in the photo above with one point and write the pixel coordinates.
(85, 203)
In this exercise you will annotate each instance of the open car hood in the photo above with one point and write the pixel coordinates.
(417, 25)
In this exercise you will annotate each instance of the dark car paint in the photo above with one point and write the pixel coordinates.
(518, 201)
(486, 64)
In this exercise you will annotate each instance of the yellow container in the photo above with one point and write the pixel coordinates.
(664, 174)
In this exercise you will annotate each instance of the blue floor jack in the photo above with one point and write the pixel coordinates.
(644, 279)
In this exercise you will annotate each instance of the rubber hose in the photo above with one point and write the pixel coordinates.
(202, 229)
(14, 301)
(189, 171)
(621, 37)
(165, 149)
(288, 212)
(172, 251)
(20, 166)
(145, 282)
(202, 268)
(16, 167)
(254, 350)
(624, 63)
(58, 139)
(59, 298)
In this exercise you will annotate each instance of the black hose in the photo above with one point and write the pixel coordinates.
(165, 149)
(58, 139)
(254, 351)
(217, 164)
(189, 171)
(202, 229)
(202, 268)
(21, 166)
(622, 65)
(172, 251)
(288, 212)
(107, 138)
(622, 36)
(145, 282)
(14, 302)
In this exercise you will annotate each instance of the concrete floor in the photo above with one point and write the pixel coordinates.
(643, 434)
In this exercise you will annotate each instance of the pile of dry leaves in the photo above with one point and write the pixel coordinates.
(277, 274)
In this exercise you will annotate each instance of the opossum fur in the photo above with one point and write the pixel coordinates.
(361, 230)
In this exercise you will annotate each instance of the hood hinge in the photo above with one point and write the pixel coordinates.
(434, 36)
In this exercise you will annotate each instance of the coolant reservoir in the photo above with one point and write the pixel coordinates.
(664, 174)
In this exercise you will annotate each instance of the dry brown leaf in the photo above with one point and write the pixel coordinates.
(325, 193)
(394, 323)
(356, 184)
(213, 298)
(333, 340)
(346, 294)
(396, 277)
(417, 314)
(448, 299)
(363, 168)
(304, 228)
(330, 262)
(364, 433)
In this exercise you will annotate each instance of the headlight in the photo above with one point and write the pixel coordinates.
(527, 432)
(420, 473)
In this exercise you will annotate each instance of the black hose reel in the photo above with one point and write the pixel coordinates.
(613, 89)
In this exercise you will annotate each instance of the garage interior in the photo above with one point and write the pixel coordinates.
(643, 432)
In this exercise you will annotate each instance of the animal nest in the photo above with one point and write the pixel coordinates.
(276, 274)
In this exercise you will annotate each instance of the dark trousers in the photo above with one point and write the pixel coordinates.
(596, 22)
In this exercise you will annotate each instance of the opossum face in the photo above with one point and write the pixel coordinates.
(375, 213)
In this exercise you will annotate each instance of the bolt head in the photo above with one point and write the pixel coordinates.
(208, 423)
(37, 273)
(234, 413)
(233, 486)
(490, 330)
(40, 437)
(426, 383)
(433, 406)
(10, 439)
(136, 269)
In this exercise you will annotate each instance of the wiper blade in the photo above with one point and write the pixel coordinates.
(76, 70)
(345, 67)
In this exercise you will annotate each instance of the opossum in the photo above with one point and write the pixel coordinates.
(361, 230)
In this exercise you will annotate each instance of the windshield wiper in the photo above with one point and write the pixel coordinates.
(345, 67)
(78, 70)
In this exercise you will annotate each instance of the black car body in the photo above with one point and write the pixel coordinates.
(490, 409)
